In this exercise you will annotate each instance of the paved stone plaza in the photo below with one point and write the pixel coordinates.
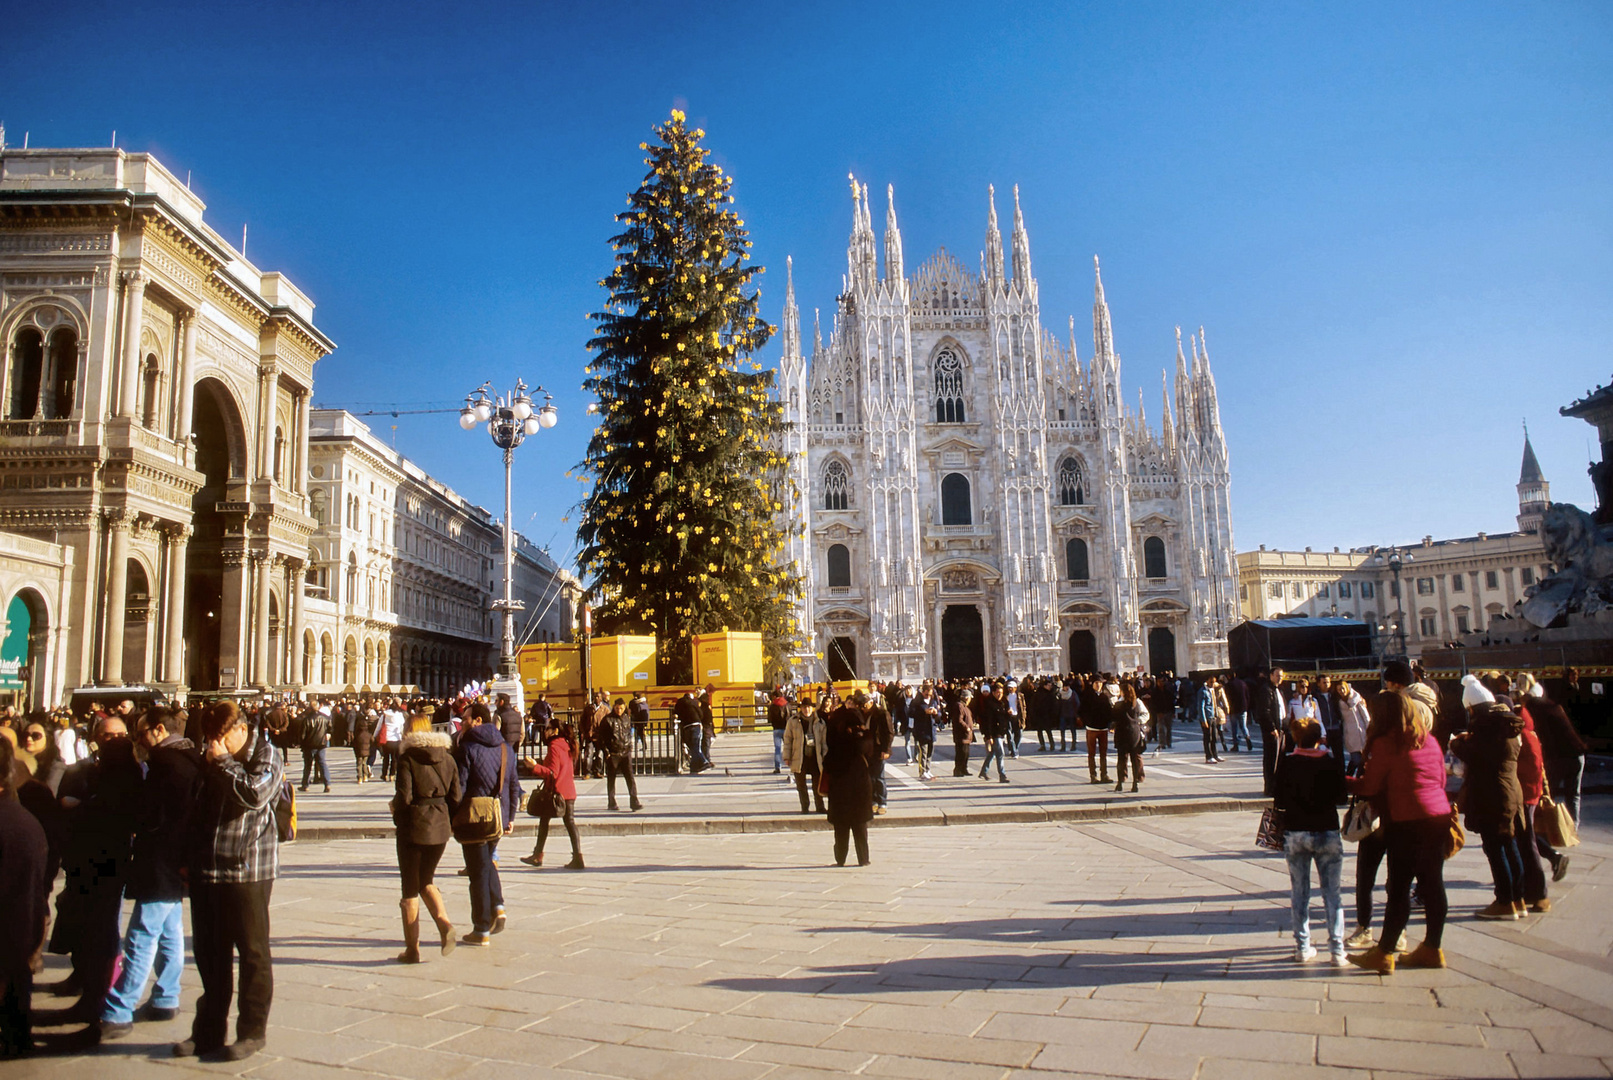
(1147, 947)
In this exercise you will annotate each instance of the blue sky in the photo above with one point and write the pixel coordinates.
(1393, 220)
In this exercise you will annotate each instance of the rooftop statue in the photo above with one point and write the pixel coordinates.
(1584, 558)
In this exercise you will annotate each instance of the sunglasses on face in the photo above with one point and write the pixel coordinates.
(32, 735)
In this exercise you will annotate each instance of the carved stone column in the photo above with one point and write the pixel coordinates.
(268, 380)
(173, 649)
(300, 482)
(114, 585)
(187, 369)
(262, 567)
(294, 628)
(134, 298)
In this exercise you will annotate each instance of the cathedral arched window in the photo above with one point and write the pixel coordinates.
(1153, 557)
(64, 373)
(838, 559)
(1072, 485)
(955, 505)
(1075, 559)
(948, 388)
(836, 486)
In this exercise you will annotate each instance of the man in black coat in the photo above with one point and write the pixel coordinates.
(314, 737)
(510, 724)
(156, 931)
(1266, 708)
(23, 893)
(687, 714)
(614, 733)
(884, 735)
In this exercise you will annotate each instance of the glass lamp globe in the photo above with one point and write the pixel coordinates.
(548, 415)
(523, 407)
(484, 411)
(467, 419)
(531, 424)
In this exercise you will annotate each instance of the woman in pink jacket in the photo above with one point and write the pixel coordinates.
(1405, 773)
(556, 768)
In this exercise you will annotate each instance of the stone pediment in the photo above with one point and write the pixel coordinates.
(1083, 517)
(1164, 604)
(955, 444)
(836, 531)
(962, 575)
(1084, 607)
(1154, 520)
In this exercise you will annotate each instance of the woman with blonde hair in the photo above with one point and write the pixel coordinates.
(1405, 776)
(428, 789)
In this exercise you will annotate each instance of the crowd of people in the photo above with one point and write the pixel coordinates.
(157, 805)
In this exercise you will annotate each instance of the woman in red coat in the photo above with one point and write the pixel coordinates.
(556, 768)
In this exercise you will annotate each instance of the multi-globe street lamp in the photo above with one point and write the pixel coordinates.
(1395, 559)
(509, 418)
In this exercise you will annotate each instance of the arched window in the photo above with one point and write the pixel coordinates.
(839, 560)
(151, 383)
(27, 369)
(1075, 559)
(836, 486)
(1154, 557)
(948, 388)
(955, 509)
(64, 373)
(1072, 485)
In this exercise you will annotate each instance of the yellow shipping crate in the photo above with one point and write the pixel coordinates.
(624, 662)
(728, 658)
(550, 667)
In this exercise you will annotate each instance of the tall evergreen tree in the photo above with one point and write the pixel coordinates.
(680, 529)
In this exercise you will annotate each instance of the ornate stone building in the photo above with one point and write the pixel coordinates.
(156, 396)
(976, 499)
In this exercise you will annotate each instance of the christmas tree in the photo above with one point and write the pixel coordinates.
(681, 531)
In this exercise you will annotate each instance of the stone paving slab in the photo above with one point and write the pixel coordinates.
(1008, 950)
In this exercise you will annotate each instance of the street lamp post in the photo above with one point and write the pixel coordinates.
(1395, 559)
(510, 419)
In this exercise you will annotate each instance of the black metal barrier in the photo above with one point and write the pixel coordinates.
(657, 748)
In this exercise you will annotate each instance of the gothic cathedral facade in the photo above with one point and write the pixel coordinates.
(974, 499)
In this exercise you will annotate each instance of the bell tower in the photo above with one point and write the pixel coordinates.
(1534, 492)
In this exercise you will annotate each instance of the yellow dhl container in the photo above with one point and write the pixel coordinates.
(624, 662)
(551, 667)
(729, 658)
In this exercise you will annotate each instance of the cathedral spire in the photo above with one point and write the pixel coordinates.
(790, 328)
(1166, 426)
(1184, 391)
(1103, 337)
(994, 243)
(817, 336)
(854, 245)
(1022, 248)
(1206, 390)
(893, 237)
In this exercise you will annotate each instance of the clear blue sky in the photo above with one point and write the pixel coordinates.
(1393, 220)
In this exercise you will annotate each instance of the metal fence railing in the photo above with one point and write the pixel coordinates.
(657, 748)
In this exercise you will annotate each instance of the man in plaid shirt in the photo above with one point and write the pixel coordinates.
(233, 858)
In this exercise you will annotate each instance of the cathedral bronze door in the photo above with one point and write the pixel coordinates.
(842, 659)
(1161, 650)
(963, 642)
(1083, 652)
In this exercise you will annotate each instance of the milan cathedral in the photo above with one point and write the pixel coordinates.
(976, 499)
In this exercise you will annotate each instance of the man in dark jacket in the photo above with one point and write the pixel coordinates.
(615, 733)
(1327, 714)
(1237, 690)
(509, 720)
(23, 893)
(879, 726)
(156, 931)
(483, 754)
(1267, 709)
(687, 714)
(314, 738)
(233, 856)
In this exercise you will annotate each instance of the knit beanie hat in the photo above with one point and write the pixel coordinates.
(1398, 671)
(1473, 692)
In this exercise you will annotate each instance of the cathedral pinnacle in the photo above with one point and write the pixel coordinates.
(1103, 338)
(1022, 248)
(791, 327)
(893, 237)
(1166, 426)
(994, 242)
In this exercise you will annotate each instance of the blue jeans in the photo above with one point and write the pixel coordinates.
(1326, 849)
(778, 749)
(156, 934)
(1240, 730)
(1566, 776)
(994, 752)
(312, 760)
(486, 891)
(1506, 866)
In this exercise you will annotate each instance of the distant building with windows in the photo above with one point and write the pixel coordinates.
(975, 499)
(402, 572)
(1450, 587)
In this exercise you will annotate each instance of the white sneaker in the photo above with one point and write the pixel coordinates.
(1337, 960)
(1302, 953)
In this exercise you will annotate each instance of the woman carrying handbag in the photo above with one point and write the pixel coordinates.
(556, 770)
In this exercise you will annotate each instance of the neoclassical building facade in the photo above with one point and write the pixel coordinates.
(973, 498)
(156, 389)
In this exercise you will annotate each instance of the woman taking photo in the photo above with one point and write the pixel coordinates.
(1405, 774)
(557, 769)
(427, 784)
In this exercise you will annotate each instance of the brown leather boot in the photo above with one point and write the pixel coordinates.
(1375, 959)
(1424, 956)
